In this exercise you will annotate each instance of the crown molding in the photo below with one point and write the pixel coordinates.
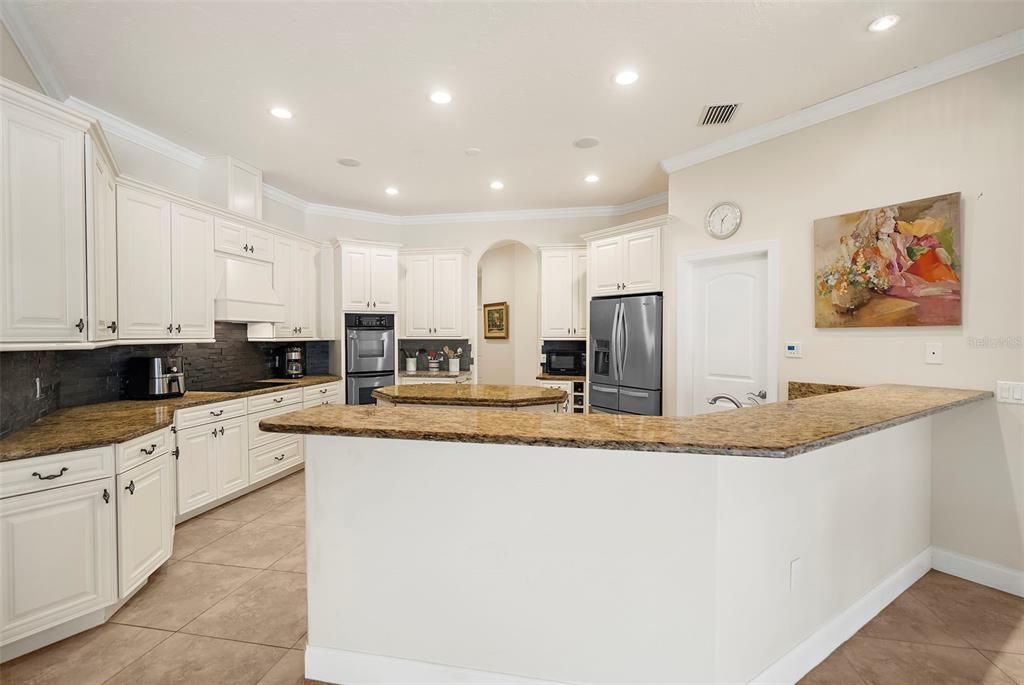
(655, 200)
(979, 56)
(13, 16)
(277, 195)
(354, 214)
(652, 222)
(123, 128)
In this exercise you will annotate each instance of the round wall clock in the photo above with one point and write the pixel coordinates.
(723, 220)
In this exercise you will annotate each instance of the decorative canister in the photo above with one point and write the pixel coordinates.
(410, 363)
(453, 365)
(434, 365)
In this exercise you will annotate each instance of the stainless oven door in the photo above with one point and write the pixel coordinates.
(370, 350)
(358, 389)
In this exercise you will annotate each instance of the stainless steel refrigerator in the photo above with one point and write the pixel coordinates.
(625, 355)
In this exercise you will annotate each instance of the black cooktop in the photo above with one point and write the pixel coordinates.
(246, 387)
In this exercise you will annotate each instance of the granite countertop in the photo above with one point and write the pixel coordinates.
(470, 395)
(433, 374)
(783, 429)
(109, 423)
(559, 377)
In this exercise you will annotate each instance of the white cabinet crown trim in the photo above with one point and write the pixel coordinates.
(653, 222)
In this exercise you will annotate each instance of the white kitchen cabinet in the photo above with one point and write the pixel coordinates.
(144, 511)
(101, 241)
(275, 458)
(296, 283)
(232, 184)
(625, 259)
(213, 461)
(563, 292)
(143, 265)
(231, 453)
(566, 387)
(369, 277)
(59, 556)
(42, 226)
(192, 280)
(434, 285)
(237, 238)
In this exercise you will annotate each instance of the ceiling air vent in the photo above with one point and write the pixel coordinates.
(717, 114)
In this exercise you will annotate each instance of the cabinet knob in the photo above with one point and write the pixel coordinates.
(375, 304)
(178, 328)
(131, 487)
(222, 430)
(214, 432)
(80, 325)
(113, 327)
(170, 327)
(245, 248)
(252, 249)
(367, 304)
(106, 495)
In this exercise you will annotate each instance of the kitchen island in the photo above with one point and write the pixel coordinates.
(521, 398)
(493, 547)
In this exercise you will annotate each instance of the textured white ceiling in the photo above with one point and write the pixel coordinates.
(527, 79)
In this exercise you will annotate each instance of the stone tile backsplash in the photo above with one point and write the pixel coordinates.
(419, 348)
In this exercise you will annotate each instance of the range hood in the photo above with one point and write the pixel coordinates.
(245, 293)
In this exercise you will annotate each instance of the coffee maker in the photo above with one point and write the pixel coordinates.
(154, 378)
(294, 364)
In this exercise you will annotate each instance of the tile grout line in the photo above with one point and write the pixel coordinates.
(997, 666)
(166, 638)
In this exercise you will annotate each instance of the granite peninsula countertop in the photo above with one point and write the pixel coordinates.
(109, 423)
(783, 429)
(466, 395)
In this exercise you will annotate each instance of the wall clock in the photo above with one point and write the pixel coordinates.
(723, 220)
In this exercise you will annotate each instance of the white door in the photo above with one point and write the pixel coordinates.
(419, 295)
(284, 276)
(42, 228)
(384, 279)
(580, 294)
(231, 449)
(730, 350)
(355, 278)
(305, 289)
(642, 261)
(191, 273)
(101, 219)
(556, 293)
(58, 549)
(197, 468)
(605, 266)
(448, 295)
(143, 265)
(143, 525)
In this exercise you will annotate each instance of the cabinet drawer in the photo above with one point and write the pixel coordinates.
(321, 392)
(197, 416)
(273, 458)
(55, 470)
(140, 450)
(325, 399)
(274, 400)
(258, 438)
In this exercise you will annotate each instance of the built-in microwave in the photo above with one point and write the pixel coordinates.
(565, 357)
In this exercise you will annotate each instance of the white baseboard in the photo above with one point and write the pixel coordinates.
(357, 668)
(979, 571)
(57, 633)
(800, 660)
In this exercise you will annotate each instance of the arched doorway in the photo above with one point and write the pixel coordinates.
(508, 272)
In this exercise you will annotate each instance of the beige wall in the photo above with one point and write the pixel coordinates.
(966, 135)
(508, 273)
(13, 64)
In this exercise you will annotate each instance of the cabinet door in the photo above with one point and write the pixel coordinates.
(42, 228)
(231, 447)
(261, 244)
(143, 265)
(229, 236)
(419, 296)
(556, 293)
(143, 524)
(355, 278)
(305, 290)
(197, 468)
(605, 266)
(245, 189)
(191, 273)
(384, 279)
(284, 266)
(580, 294)
(59, 556)
(642, 262)
(448, 296)
(101, 243)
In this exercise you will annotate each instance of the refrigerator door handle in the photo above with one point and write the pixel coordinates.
(624, 332)
(614, 343)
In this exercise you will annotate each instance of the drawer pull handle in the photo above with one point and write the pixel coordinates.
(279, 458)
(216, 413)
(131, 487)
(323, 390)
(63, 469)
(278, 400)
(152, 448)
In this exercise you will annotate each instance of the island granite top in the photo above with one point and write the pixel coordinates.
(110, 423)
(464, 394)
(783, 429)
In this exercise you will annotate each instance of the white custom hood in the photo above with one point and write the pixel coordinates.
(245, 293)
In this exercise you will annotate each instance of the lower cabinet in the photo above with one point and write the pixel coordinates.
(213, 461)
(267, 461)
(59, 555)
(144, 504)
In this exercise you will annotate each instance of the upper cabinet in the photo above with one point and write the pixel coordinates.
(297, 284)
(101, 240)
(232, 184)
(625, 259)
(233, 237)
(369, 276)
(563, 292)
(434, 286)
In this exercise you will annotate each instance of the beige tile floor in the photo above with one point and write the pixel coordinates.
(230, 608)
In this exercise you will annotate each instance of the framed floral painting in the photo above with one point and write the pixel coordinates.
(898, 265)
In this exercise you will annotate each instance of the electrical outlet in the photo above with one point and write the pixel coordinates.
(933, 353)
(1010, 392)
(794, 350)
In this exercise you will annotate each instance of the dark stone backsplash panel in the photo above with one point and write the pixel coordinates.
(419, 348)
(75, 377)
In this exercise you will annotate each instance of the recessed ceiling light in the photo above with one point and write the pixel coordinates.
(391, 190)
(884, 23)
(472, 151)
(591, 178)
(440, 97)
(627, 77)
(497, 185)
(586, 142)
(281, 112)
(349, 161)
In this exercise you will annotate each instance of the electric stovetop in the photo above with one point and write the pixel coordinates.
(246, 387)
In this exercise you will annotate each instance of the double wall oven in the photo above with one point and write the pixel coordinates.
(369, 355)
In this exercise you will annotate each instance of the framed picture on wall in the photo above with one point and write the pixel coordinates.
(496, 320)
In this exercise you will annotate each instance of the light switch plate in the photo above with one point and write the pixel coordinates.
(933, 353)
(1010, 392)
(794, 349)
